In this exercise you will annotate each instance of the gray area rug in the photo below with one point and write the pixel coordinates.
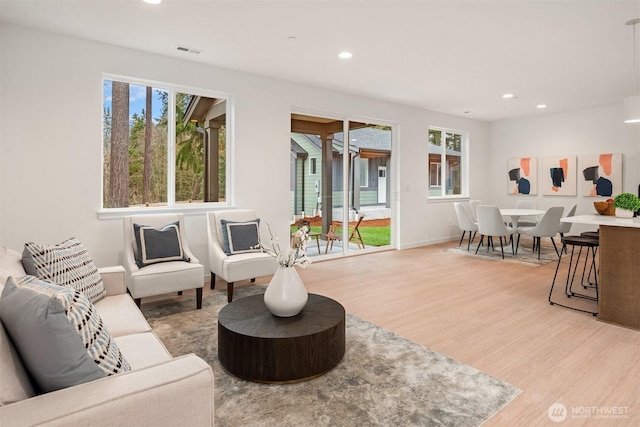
(383, 378)
(525, 254)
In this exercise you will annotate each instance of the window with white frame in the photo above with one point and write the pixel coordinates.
(447, 164)
(364, 172)
(162, 145)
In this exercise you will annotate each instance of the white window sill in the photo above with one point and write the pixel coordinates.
(186, 209)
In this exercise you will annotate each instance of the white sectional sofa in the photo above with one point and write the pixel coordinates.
(159, 390)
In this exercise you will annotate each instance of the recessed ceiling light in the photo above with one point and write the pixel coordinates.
(292, 38)
(541, 106)
(508, 96)
(152, 1)
(345, 55)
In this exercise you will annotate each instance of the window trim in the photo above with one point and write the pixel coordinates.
(172, 206)
(464, 166)
(364, 183)
(438, 166)
(315, 166)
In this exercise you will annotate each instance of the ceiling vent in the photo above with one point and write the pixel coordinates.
(189, 49)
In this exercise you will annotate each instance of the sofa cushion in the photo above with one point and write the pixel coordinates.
(15, 384)
(239, 237)
(66, 264)
(121, 315)
(158, 244)
(59, 335)
(143, 350)
(10, 264)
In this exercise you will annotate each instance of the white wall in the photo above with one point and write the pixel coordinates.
(573, 133)
(50, 143)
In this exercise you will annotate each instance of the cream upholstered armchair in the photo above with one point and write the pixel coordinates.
(157, 257)
(232, 252)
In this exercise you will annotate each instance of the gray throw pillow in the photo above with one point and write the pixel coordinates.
(60, 337)
(158, 244)
(66, 264)
(239, 237)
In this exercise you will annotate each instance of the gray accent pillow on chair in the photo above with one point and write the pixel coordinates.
(158, 244)
(60, 337)
(239, 237)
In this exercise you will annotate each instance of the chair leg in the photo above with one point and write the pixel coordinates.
(470, 240)
(230, 292)
(462, 238)
(554, 246)
(480, 244)
(555, 275)
(213, 280)
(199, 298)
(501, 247)
(138, 301)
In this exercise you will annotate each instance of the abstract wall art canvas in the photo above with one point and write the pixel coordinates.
(601, 174)
(522, 174)
(559, 176)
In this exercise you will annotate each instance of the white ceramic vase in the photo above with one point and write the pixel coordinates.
(286, 295)
(624, 213)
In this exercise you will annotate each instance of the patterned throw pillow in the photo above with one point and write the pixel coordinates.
(239, 237)
(60, 337)
(158, 244)
(66, 264)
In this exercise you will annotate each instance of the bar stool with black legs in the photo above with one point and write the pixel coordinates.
(596, 236)
(581, 242)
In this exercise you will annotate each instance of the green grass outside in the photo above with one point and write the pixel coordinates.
(371, 236)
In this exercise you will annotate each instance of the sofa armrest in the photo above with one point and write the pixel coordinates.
(177, 392)
(113, 279)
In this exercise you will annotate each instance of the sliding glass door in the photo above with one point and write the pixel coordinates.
(341, 182)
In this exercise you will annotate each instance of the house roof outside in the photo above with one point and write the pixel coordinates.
(298, 150)
(367, 138)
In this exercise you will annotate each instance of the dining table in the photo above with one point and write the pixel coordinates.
(516, 213)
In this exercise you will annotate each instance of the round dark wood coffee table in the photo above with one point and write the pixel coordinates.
(256, 345)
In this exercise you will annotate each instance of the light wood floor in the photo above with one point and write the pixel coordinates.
(495, 317)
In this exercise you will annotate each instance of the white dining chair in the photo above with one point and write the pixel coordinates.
(527, 204)
(473, 204)
(565, 227)
(490, 224)
(465, 222)
(546, 227)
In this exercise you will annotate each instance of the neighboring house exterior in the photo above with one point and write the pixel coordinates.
(452, 183)
(369, 160)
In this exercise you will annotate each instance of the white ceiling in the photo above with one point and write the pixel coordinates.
(449, 56)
